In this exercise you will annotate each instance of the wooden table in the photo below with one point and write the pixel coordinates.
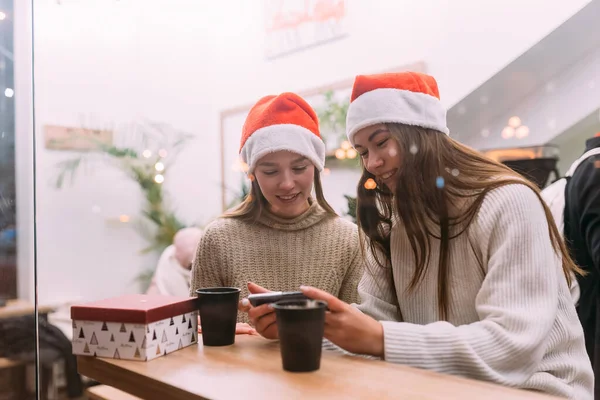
(251, 369)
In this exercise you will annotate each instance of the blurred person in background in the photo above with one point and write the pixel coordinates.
(174, 269)
(582, 234)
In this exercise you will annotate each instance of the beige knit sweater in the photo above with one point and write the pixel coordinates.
(314, 249)
(512, 320)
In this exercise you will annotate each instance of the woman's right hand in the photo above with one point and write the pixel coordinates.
(263, 316)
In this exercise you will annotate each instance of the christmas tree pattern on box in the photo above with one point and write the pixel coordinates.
(135, 341)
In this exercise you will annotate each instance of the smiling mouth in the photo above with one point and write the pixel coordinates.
(388, 175)
(288, 199)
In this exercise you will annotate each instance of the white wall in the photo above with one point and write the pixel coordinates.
(463, 42)
(100, 62)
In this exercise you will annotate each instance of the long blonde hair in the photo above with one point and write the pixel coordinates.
(418, 202)
(255, 202)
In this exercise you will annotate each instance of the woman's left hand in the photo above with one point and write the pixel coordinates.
(241, 328)
(347, 327)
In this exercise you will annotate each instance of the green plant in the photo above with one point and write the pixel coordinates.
(351, 207)
(145, 157)
(332, 119)
(332, 116)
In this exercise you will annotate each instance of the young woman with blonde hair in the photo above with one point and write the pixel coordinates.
(281, 236)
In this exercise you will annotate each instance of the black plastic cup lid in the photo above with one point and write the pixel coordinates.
(218, 290)
(300, 305)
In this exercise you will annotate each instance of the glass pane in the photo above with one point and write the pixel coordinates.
(140, 105)
(8, 220)
(17, 318)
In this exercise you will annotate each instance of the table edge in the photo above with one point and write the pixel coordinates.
(143, 386)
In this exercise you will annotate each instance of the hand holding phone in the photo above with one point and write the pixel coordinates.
(273, 297)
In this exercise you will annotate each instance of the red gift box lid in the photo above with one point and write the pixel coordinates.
(134, 308)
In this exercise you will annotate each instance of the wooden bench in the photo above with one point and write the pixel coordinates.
(104, 392)
(12, 379)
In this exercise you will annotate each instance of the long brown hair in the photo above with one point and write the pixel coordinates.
(255, 202)
(429, 155)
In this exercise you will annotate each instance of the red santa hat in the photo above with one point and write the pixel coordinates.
(409, 98)
(282, 122)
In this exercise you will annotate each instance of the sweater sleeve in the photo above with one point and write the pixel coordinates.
(207, 269)
(377, 292)
(348, 290)
(517, 303)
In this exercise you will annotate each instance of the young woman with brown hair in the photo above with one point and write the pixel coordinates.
(466, 273)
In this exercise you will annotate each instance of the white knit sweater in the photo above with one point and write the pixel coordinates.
(511, 319)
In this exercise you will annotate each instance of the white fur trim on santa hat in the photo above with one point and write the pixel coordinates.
(288, 137)
(395, 105)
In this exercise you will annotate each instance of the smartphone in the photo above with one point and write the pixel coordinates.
(273, 297)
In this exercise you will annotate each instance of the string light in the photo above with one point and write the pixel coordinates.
(158, 178)
(370, 184)
(522, 132)
(2, 16)
(147, 153)
(515, 128)
(159, 166)
(124, 218)
(508, 132)
(345, 151)
(8, 92)
(340, 154)
(162, 153)
(514, 122)
(351, 153)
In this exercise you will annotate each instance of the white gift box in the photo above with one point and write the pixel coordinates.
(134, 327)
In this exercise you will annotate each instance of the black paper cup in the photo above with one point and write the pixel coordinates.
(300, 324)
(218, 308)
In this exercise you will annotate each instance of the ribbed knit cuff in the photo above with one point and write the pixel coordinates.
(398, 343)
(327, 345)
